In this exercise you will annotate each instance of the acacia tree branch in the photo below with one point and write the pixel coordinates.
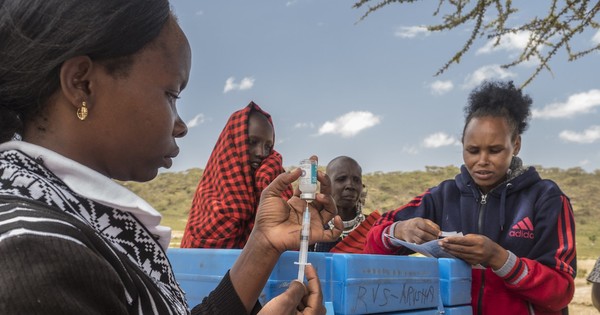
(555, 31)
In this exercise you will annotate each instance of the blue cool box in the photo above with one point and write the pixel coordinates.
(367, 284)
(455, 281)
(351, 283)
(286, 270)
(199, 270)
(455, 310)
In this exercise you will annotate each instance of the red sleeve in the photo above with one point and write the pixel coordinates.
(376, 242)
(546, 288)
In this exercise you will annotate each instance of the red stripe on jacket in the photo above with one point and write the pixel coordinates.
(374, 242)
(566, 251)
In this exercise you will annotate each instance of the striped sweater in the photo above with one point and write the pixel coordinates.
(100, 251)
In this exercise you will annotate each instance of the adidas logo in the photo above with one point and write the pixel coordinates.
(523, 229)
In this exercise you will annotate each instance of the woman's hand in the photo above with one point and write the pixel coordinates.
(277, 228)
(417, 230)
(298, 299)
(476, 250)
(278, 223)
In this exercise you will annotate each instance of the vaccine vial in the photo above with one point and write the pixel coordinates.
(308, 179)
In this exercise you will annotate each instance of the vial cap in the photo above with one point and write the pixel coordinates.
(307, 196)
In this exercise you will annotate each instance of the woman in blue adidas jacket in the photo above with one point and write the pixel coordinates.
(518, 226)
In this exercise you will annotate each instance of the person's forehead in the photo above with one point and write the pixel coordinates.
(169, 52)
(496, 122)
(345, 166)
(259, 123)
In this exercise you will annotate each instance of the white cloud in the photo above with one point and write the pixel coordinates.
(584, 162)
(486, 73)
(199, 119)
(596, 38)
(441, 87)
(412, 150)
(579, 103)
(411, 31)
(589, 135)
(301, 125)
(245, 84)
(199, 13)
(439, 139)
(229, 85)
(509, 42)
(291, 3)
(350, 124)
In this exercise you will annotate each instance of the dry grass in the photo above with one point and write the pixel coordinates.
(582, 301)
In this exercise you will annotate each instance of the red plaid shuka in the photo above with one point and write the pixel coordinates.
(224, 206)
(354, 243)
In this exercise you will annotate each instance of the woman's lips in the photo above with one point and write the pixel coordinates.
(169, 158)
(483, 175)
(168, 162)
(348, 197)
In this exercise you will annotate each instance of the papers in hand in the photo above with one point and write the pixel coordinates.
(453, 233)
(429, 249)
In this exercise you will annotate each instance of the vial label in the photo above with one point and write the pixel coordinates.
(308, 179)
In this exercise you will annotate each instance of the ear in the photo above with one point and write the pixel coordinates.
(517, 145)
(74, 79)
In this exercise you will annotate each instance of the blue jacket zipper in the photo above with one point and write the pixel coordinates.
(482, 204)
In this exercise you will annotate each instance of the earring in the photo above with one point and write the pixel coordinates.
(82, 111)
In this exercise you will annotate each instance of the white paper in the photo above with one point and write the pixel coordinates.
(429, 249)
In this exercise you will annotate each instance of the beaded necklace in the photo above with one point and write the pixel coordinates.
(351, 225)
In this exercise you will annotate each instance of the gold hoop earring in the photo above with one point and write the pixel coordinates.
(82, 111)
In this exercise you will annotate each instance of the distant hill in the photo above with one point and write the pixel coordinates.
(172, 193)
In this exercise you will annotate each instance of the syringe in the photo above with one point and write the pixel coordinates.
(308, 188)
(304, 235)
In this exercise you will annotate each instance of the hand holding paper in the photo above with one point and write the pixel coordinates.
(476, 249)
(429, 249)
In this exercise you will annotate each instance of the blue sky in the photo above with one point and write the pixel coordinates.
(337, 86)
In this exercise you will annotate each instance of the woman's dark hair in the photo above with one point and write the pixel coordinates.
(500, 99)
(37, 36)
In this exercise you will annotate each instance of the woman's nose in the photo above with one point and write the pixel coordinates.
(180, 129)
(262, 151)
(483, 159)
(349, 185)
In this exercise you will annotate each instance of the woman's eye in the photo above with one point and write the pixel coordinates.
(172, 97)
